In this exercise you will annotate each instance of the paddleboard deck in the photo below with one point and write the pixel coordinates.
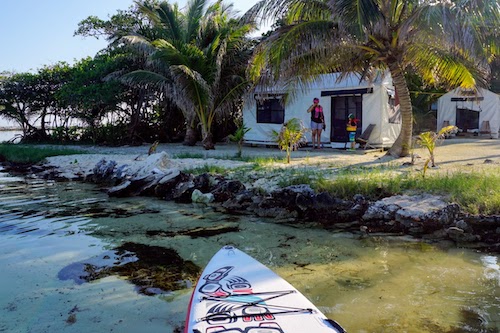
(238, 294)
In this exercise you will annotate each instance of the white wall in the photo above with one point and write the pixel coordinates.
(489, 109)
(375, 107)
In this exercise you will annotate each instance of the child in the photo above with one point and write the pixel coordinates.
(352, 126)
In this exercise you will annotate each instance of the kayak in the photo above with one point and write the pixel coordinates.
(238, 294)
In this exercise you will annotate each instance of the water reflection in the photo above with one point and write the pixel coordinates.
(377, 284)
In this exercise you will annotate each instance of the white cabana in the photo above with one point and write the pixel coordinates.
(471, 111)
(371, 102)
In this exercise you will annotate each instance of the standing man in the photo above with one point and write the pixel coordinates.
(317, 122)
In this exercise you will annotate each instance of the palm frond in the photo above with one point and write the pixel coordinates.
(139, 44)
(438, 66)
(147, 79)
(191, 84)
(358, 15)
(194, 15)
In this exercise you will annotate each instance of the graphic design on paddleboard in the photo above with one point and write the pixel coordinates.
(238, 294)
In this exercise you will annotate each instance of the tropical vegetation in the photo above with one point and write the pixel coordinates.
(199, 61)
(31, 154)
(430, 139)
(172, 74)
(239, 136)
(290, 136)
(445, 42)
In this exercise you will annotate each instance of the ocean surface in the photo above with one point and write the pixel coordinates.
(10, 135)
(54, 235)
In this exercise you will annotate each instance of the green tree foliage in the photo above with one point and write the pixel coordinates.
(443, 42)
(17, 95)
(290, 136)
(199, 63)
(29, 99)
(88, 96)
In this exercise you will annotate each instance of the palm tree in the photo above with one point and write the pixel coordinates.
(168, 23)
(200, 62)
(440, 40)
(430, 139)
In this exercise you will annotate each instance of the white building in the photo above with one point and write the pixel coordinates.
(371, 102)
(471, 111)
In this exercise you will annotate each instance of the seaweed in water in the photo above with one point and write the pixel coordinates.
(153, 269)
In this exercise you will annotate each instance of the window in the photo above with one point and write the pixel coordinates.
(270, 111)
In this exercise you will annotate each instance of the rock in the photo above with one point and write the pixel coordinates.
(133, 187)
(359, 199)
(324, 200)
(241, 202)
(304, 202)
(421, 213)
(275, 212)
(183, 190)
(303, 189)
(149, 185)
(120, 190)
(155, 163)
(460, 236)
(103, 171)
(461, 224)
(121, 172)
(227, 189)
(168, 182)
(169, 175)
(200, 197)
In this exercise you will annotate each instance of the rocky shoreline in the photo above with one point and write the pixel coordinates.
(423, 216)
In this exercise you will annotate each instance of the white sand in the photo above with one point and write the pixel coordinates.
(454, 154)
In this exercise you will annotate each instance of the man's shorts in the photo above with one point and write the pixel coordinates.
(316, 126)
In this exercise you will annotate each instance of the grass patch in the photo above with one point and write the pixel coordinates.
(18, 153)
(299, 176)
(207, 168)
(476, 193)
(188, 155)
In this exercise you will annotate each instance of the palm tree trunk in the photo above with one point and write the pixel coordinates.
(190, 138)
(208, 140)
(402, 146)
(206, 133)
(206, 118)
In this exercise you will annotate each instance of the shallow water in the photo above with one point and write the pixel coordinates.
(375, 284)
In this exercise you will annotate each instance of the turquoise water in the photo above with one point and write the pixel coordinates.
(375, 284)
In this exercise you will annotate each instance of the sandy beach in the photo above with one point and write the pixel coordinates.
(456, 154)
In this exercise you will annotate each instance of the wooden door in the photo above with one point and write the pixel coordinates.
(342, 106)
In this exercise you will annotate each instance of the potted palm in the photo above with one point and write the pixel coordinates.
(238, 137)
(290, 136)
(430, 139)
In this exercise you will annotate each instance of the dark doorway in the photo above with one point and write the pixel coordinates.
(342, 106)
(467, 119)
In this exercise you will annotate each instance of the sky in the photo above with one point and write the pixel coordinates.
(35, 33)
